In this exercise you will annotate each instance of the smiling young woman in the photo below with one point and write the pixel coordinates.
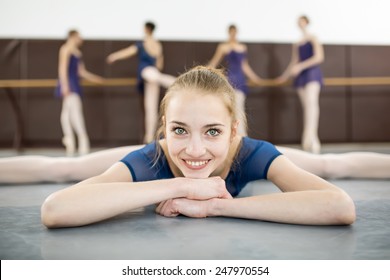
(195, 167)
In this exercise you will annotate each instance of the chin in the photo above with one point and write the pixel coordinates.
(196, 174)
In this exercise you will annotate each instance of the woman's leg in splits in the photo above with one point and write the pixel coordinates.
(153, 79)
(343, 165)
(309, 97)
(35, 169)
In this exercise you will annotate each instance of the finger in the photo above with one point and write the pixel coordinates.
(227, 195)
(160, 206)
(167, 209)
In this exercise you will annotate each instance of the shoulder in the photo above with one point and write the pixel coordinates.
(147, 164)
(223, 47)
(144, 153)
(251, 144)
(255, 157)
(140, 160)
(64, 50)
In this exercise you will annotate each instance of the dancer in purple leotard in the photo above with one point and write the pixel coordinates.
(70, 69)
(235, 55)
(151, 60)
(306, 57)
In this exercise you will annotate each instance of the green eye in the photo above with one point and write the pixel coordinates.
(179, 131)
(213, 132)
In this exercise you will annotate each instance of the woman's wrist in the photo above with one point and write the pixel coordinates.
(181, 187)
(215, 207)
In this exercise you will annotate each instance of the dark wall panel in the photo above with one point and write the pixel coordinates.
(370, 104)
(114, 115)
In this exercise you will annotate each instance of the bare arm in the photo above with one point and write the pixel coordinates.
(85, 74)
(296, 66)
(218, 55)
(305, 199)
(160, 58)
(293, 61)
(317, 58)
(122, 54)
(248, 71)
(63, 64)
(113, 193)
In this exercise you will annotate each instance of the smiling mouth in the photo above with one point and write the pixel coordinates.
(196, 164)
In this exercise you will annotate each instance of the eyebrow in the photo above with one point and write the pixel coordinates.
(206, 126)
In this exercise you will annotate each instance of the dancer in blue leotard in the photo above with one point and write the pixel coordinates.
(70, 69)
(150, 56)
(238, 69)
(304, 68)
(196, 165)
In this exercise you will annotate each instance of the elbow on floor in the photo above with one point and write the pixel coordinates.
(345, 210)
(49, 217)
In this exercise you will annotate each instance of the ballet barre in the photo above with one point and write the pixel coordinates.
(9, 85)
(342, 81)
(42, 83)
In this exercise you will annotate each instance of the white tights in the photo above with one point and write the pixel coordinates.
(309, 97)
(72, 119)
(35, 169)
(153, 80)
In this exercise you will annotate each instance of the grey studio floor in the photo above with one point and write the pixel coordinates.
(144, 235)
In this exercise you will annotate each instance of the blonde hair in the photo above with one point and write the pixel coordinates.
(205, 80)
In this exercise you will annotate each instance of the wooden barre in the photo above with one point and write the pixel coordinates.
(42, 83)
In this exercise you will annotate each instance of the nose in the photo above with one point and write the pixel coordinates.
(196, 147)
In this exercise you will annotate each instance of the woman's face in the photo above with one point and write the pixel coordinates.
(302, 23)
(232, 33)
(78, 41)
(198, 129)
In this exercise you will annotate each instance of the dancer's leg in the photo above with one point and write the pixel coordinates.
(152, 79)
(309, 97)
(68, 139)
(78, 123)
(240, 99)
(35, 169)
(151, 99)
(153, 75)
(344, 165)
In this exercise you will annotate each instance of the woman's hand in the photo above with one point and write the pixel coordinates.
(110, 59)
(186, 207)
(202, 189)
(198, 201)
(296, 70)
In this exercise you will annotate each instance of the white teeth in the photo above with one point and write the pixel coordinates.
(196, 163)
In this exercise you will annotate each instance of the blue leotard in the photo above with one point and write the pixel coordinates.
(251, 163)
(73, 77)
(310, 74)
(145, 60)
(235, 73)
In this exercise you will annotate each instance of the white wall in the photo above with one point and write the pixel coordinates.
(333, 21)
